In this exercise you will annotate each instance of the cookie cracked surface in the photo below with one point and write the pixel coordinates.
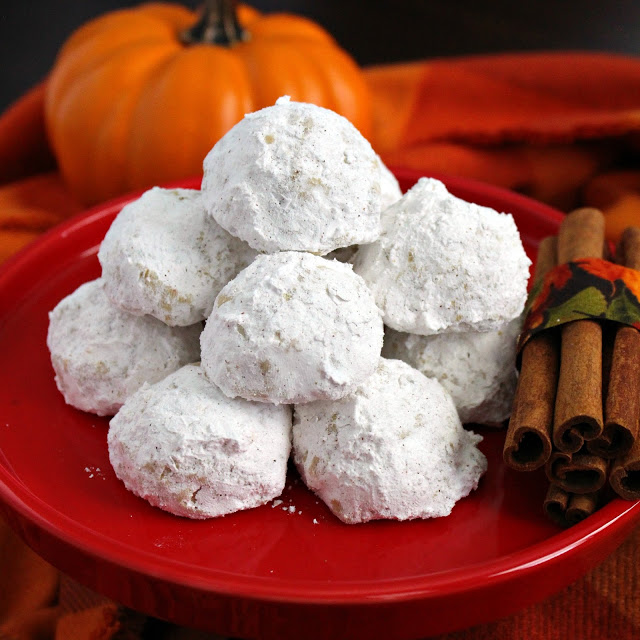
(185, 447)
(443, 264)
(101, 355)
(295, 176)
(394, 448)
(292, 327)
(164, 256)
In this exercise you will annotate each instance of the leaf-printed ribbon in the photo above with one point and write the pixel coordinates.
(586, 288)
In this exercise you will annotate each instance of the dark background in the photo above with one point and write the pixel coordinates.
(372, 31)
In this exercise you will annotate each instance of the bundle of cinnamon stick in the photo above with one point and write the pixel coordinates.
(577, 405)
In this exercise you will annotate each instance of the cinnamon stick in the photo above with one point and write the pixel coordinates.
(628, 249)
(578, 473)
(528, 441)
(567, 509)
(622, 404)
(625, 473)
(578, 408)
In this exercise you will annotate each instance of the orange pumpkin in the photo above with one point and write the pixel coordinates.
(139, 96)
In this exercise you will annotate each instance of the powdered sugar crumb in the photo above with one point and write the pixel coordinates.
(93, 472)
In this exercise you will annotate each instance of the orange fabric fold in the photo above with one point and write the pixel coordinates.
(30, 206)
(544, 124)
(28, 590)
(553, 174)
(537, 98)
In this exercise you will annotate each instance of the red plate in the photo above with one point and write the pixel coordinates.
(267, 572)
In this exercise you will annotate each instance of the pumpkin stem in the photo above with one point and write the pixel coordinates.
(218, 24)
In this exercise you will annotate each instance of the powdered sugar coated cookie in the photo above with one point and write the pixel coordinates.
(390, 191)
(101, 354)
(394, 448)
(187, 448)
(294, 176)
(443, 264)
(476, 368)
(164, 256)
(292, 327)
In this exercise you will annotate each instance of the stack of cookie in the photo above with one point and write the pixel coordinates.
(290, 355)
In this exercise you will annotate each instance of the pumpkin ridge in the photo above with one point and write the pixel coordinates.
(144, 154)
(69, 72)
(275, 71)
(127, 23)
(69, 122)
(130, 177)
(320, 75)
(72, 92)
(346, 95)
(118, 123)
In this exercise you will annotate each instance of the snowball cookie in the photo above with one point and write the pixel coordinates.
(390, 188)
(443, 264)
(292, 327)
(395, 448)
(294, 177)
(185, 447)
(164, 256)
(391, 193)
(101, 354)
(476, 368)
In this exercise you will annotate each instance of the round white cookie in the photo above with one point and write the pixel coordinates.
(294, 176)
(390, 191)
(476, 368)
(443, 264)
(291, 328)
(187, 448)
(164, 256)
(101, 354)
(395, 448)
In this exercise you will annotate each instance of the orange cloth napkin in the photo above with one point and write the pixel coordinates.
(543, 124)
(563, 128)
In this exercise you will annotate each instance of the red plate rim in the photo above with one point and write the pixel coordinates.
(618, 513)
